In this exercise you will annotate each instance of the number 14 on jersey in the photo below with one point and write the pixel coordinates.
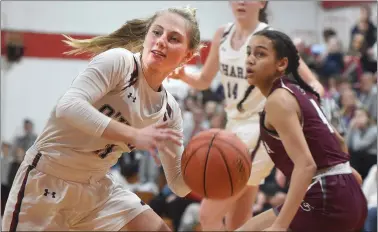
(232, 90)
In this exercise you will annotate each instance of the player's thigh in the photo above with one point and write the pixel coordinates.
(259, 222)
(115, 207)
(262, 166)
(212, 209)
(241, 210)
(31, 203)
(148, 220)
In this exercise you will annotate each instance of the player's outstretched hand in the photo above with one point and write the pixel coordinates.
(178, 73)
(152, 137)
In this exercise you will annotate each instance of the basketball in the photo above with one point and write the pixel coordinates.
(216, 164)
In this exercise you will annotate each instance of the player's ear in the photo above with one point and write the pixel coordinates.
(188, 56)
(282, 64)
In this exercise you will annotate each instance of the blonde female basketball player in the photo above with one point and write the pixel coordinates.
(116, 103)
(227, 55)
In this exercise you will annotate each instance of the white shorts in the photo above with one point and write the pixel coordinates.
(248, 131)
(38, 201)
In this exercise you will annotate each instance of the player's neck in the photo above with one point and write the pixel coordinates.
(265, 87)
(245, 28)
(153, 78)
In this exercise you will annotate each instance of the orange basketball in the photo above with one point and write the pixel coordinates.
(216, 164)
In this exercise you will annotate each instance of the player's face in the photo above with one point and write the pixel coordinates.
(246, 10)
(166, 43)
(261, 63)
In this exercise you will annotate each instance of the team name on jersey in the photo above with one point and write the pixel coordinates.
(232, 71)
(111, 112)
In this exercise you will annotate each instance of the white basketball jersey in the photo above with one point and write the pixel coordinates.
(128, 99)
(233, 72)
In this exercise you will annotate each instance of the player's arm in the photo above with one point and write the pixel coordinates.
(102, 75)
(202, 80)
(282, 113)
(307, 75)
(170, 156)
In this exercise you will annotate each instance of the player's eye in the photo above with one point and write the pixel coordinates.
(156, 32)
(259, 54)
(174, 39)
(249, 51)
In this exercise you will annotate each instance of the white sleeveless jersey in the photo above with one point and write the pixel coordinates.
(115, 87)
(233, 72)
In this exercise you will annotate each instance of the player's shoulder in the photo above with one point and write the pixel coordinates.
(282, 101)
(115, 54)
(223, 31)
(264, 26)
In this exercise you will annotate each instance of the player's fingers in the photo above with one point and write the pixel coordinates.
(173, 132)
(161, 125)
(161, 137)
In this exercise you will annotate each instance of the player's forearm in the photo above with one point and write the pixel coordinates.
(301, 179)
(196, 80)
(172, 168)
(121, 132)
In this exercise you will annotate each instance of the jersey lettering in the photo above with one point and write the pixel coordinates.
(110, 112)
(232, 71)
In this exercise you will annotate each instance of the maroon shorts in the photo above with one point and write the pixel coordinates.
(334, 203)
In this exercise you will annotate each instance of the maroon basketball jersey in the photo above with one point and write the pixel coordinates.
(320, 137)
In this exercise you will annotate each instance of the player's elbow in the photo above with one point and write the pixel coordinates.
(310, 167)
(64, 108)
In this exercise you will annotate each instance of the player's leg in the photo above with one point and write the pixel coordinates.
(116, 209)
(259, 222)
(212, 212)
(146, 221)
(241, 210)
(34, 202)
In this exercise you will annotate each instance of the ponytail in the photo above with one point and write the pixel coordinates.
(263, 16)
(246, 94)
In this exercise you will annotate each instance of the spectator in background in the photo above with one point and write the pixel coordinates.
(368, 94)
(353, 67)
(333, 62)
(349, 104)
(20, 145)
(365, 26)
(361, 139)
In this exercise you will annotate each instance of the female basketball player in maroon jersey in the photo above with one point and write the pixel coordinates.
(323, 193)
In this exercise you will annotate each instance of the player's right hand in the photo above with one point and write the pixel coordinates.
(152, 137)
(178, 73)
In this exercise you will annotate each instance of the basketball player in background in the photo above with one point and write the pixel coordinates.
(227, 55)
(323, 194)
(116, 103)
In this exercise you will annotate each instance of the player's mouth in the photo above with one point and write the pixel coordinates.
(250, 72)
(157, 53)
(241, 10)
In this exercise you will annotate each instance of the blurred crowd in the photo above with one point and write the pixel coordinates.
(349, 75)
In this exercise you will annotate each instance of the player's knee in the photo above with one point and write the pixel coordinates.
(208, 218)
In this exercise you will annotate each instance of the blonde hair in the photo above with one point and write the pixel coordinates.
(132, 34)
